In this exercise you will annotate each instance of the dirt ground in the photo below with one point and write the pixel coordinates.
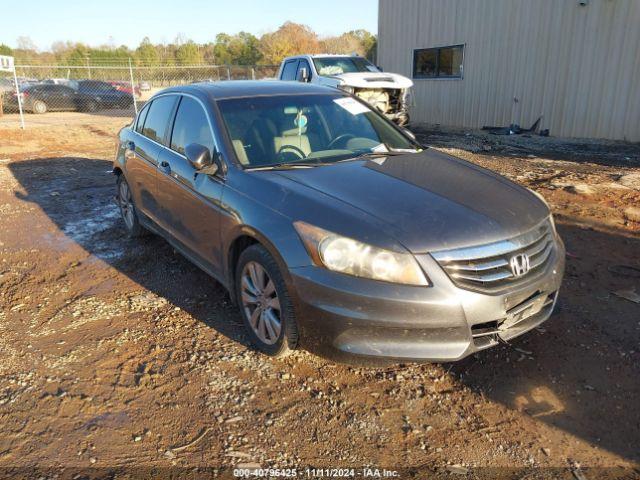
(118, 358)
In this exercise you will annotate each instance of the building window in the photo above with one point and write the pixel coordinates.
(442, 62)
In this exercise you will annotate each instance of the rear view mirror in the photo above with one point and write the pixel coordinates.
(303, 75)
(200, 157)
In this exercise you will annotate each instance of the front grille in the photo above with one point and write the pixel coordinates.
(487, 268)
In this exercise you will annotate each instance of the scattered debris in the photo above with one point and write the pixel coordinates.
(515, 129)
(577, 473)
(234, 420)
(633, 214)
(234, 454)
(457, 469)
(202, 434)
(630, 295)
(625, 271)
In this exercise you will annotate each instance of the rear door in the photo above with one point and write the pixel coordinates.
(190, 201)
(143, 150)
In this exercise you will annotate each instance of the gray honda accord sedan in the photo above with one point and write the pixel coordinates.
(333, 229)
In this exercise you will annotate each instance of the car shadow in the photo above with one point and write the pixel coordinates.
(579, 372)
(78, 195)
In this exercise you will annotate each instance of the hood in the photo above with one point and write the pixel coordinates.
(429, 201)
(375, 80)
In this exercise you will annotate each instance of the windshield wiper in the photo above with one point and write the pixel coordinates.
(288, 166)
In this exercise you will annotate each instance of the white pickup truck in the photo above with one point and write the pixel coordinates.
(388, 92)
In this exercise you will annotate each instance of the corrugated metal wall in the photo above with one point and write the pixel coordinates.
(579, 66)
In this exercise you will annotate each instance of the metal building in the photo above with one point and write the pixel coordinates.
(499, 62)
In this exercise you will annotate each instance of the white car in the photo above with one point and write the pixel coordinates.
(388, 92)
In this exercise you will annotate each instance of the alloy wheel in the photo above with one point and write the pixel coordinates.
(261, 303)
(126, 205)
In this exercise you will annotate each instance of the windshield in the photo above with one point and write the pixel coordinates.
(338, 65)
(275, 130)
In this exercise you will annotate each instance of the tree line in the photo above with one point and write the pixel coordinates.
(239, 49)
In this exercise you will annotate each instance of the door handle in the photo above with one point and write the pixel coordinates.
(165, 168)
(131, 146)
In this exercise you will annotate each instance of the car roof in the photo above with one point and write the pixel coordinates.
(249, 88)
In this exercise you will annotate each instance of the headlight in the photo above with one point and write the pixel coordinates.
(348, 256)
(346, 88)
(551, 219)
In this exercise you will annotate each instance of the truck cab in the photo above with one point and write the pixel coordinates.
(388, 92)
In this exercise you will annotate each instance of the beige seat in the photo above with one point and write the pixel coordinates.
(293, 138)
(241, 153)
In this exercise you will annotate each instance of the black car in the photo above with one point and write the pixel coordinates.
(90, 97)
(104, 95)
(42, 98)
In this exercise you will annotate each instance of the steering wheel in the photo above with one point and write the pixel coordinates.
(291, 149)
(344, 136)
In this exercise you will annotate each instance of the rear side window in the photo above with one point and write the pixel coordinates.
(289, 70)
(157, 121)
(191, 126)
(141, 118)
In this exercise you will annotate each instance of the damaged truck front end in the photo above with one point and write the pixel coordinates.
(392, 102)
(389, 93)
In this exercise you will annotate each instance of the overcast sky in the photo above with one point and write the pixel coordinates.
(128, 21)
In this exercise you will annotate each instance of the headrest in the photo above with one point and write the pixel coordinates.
(294, 132)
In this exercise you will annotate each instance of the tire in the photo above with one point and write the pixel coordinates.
(128, 210)
(254, 295)
(39, 107)
(92, 106)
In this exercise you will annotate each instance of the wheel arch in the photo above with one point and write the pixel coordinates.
(245, 238)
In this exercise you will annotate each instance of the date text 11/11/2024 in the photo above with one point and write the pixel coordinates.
(315, 473)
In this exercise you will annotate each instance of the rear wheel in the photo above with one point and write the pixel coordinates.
(265, 303)
(39, 107)
(92, 106)
(128, 209)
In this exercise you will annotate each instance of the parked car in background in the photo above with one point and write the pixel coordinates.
(333, 228)
(388, 92)
(104, 95)
(43, 97)
(63, 81)
(125, 87)
(47, 97)
(7, 85)
(144, 86)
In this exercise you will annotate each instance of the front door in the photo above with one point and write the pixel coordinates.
(190, 201)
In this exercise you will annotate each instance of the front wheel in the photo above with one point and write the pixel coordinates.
(128, 209)
(265, 303)
(40, 107)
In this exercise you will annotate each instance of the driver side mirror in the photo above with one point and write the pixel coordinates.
(199, 157)
(303, 75)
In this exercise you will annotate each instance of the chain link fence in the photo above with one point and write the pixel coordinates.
(55, 93)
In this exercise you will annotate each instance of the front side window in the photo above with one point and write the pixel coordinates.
(157, 121)
(442, 62)
(191, 126)
(327, 66)
(321, 128)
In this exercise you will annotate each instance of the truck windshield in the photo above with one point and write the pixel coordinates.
(315, 129)
(338, 65)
